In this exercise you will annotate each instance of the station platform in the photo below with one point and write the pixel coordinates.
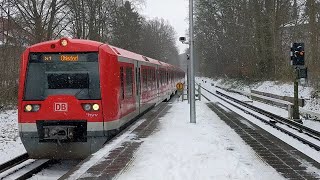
(165, 145)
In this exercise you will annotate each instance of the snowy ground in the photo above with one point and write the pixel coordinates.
(209, 149)
(286, 138)
(10, 143)
(270, 87)
(282, 89)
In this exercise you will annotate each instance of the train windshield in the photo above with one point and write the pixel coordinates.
(62, 74)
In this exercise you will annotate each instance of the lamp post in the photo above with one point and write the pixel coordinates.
(190, 67)
(188, 76)
(192, 79)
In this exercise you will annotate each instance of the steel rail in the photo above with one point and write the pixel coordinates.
(42, 165)
(13, 162)
(25, 171)
(272, 116)
(205, 97)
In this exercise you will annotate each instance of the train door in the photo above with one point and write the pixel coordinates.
(158, 86)
(138, 86)
(128, 98)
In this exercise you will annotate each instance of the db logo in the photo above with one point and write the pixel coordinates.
(60, 107)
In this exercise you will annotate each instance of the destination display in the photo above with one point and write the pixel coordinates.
(59, 57)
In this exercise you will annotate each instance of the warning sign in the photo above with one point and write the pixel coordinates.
(180, 86)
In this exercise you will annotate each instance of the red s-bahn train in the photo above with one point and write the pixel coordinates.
(74, 94)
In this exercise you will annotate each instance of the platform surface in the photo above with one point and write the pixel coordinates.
(168, 146)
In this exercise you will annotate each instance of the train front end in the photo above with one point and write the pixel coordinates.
(60, 110)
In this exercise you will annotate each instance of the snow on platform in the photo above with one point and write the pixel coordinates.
(209, 149)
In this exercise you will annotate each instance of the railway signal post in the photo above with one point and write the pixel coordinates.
(297, 61)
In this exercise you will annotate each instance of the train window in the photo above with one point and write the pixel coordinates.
(150, 79)
(161, 77)
(68, 81)
(145, 79)
(46, 75)
(153, 79)
(122, 83)
(129, 82)
(157, 77)
(171, 75)
(164, 77)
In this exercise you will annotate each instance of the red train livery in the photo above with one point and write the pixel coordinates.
(74, 94)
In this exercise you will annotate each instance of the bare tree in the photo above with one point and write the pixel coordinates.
(312, 11)
(241, 39)
(43, 20)
(126, 28)
(158, 41)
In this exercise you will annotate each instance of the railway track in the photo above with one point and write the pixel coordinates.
(22, 167)
(13, 162)
(275, 119)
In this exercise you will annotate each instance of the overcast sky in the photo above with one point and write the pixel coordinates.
(175, 11)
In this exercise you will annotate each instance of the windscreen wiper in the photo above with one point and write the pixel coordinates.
(79, 92)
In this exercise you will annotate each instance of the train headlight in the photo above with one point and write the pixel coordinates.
(95, 107)
(87, 107)
(32, 108)
(35, 107)
(28, 108)
(64, 42)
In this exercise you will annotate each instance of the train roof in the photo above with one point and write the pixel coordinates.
(128, 54)
(55, 45)
(89, 45)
